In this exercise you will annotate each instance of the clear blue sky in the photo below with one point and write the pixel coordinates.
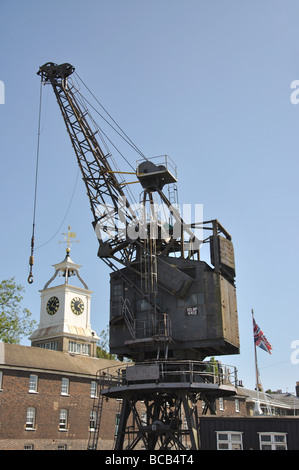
(206, 82)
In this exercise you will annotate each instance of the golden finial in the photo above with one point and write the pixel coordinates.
(69, 239)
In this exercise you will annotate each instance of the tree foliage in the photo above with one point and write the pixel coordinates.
(213, 365)
(103, 346)
(15, 322)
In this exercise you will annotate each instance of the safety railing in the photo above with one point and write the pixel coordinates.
(164, 162)
(171, 372)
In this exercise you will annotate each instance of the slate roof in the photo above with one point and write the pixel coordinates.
(288, 398)
(264, 398)
(39, 359)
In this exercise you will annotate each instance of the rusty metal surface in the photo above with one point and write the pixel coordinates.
(204, 322)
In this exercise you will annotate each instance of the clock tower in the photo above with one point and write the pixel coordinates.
(65, 313)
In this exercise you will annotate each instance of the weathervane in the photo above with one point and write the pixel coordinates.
(69, 239)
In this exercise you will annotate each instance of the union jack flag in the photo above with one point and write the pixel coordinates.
(260, 339)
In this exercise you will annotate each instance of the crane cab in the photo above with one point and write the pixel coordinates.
(154, 173)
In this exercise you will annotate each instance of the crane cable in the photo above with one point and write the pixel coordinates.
(66, 213)
(122, 133)
(31, 258)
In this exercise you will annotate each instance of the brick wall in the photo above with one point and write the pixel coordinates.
(15, 399)
(227, 407)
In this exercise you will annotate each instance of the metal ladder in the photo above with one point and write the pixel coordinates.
(128, 315)
(97, 408)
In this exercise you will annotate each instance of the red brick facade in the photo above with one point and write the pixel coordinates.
(33, 418)
(48, 402)
(46, 399)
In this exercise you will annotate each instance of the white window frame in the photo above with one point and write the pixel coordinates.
(117, 421)
(53, 345)
(63, 419)
(33, 382)
(29, 447)
(85, 349)
(79, 348)
(93, 420)
(93, 389)
(231, 441)
(30, 418)
(143, 418)
(272, 443)
(237, 405)
(221, 404)
(1, 379)
(65, 386)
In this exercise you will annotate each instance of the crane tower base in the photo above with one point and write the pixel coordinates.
(160, 402)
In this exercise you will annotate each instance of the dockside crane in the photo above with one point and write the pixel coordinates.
(166, 303)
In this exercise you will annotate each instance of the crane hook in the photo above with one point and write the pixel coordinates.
(31, 262)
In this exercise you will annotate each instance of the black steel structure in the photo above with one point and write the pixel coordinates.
(169, 392)
(169, 309)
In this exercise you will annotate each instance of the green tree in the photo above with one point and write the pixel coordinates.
(103, 346)
(213, 365)
(14, 321)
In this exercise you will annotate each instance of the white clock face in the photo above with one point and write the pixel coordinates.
(77, 306)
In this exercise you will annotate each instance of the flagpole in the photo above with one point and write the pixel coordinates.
(257, 408)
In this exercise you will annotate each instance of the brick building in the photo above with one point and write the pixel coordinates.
(47, 398)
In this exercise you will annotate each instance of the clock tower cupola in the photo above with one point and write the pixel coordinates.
(65, 312)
